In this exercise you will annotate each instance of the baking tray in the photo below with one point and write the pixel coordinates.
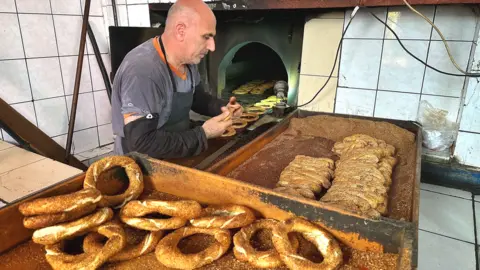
(390, 236)
(241, 158)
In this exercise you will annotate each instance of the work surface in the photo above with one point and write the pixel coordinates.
(23, 172)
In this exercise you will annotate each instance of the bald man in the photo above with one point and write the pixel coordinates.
(158, 83)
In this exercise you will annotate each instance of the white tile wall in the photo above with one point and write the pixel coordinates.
(440, 84)
(393, 105)
(70, 7)
(102, 107)
(456, 22)
(68, 30)
(98, 28)
(467, 148)
(95, 7)
(403, 82)
(138, 15)
(11, 46)
(52, 116)
(38, 83)
(27, 110)
(408, 25)
(105, 134)
(45, 77)
(69, 67)
(360, 63)
(14, 84)
(355, 101)
(33, 6)
(364, 25)
(400, 71)
(471, 110)
(122, 15)
(38, 35)
(97, 80)
(85, 140)
(62, 141)
(7, 6)
(85, 116)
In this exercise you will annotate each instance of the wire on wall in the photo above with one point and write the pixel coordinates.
(464, 73)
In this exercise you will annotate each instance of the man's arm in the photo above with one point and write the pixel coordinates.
(143, 136)
(206, 104)
(142, 100)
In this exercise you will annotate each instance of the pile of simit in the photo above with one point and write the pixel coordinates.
(358, 182)
(97, 216)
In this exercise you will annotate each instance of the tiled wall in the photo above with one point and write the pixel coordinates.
(39, 42)
(378, 78)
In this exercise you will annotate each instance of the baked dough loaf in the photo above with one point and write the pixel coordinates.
(306, 176)
(363, 175)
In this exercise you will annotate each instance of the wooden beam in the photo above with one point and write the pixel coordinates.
(32, 135)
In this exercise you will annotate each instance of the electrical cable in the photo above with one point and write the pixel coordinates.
(440, 34)
(335, 61)
(473, 75)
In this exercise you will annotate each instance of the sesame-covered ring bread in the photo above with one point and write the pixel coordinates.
(168, 253)
(59, 260)
(224, 217)
(54, 234)
(133, 171)
(134, 212)
(244, 251)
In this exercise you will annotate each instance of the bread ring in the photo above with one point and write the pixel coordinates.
(57, 233)
(230, 131)
(170, 255)
(256, 110)
(93, 244)
(224, 217)
(244, 251)
(180, 211)
(62, 203)
(61, 260)
(239, 123)
(134, 173)
(42, 221)
(249, 117)
(324, 242)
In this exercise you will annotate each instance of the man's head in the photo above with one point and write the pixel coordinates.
(190, 29)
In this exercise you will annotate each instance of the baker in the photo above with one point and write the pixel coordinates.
(158, 83)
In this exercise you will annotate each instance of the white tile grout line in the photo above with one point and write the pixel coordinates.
(445, 194)
(475, 231)
(453, 238)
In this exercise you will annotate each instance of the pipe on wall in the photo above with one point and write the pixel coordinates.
(78, 75)
(101, 65)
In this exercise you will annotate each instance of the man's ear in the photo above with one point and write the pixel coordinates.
(180, 31)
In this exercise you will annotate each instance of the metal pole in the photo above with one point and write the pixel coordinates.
(114, 7)
(101, 65)
(78, 75)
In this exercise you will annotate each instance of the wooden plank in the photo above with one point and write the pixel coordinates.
(12, 231)
(383, 235)
(37, 139)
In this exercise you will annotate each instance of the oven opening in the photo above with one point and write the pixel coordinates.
(252, 66)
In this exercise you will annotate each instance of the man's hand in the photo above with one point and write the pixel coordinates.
(234, 107)
(217, 125)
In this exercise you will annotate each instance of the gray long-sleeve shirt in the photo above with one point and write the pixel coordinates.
(143, 86)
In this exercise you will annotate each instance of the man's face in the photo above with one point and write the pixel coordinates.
(200, 40)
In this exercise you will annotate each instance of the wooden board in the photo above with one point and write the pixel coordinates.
(208, 188)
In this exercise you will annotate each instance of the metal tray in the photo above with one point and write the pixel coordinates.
(356, 232)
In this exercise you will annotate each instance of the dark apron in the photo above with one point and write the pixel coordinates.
(179, 119)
